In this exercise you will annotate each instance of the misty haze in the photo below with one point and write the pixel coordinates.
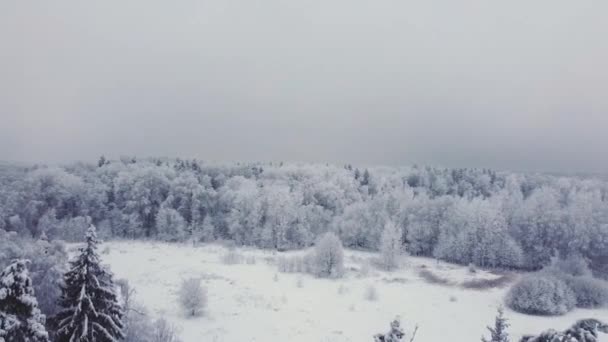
(271, 170)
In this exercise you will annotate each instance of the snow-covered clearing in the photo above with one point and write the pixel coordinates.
(248, 303)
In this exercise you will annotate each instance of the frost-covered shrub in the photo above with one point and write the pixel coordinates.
(164, 331)
(574, 271)
(329, 256)
(541, 294)
(192, 296)
(140, 328)
(589, 292)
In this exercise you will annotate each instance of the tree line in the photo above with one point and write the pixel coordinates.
(469, 216)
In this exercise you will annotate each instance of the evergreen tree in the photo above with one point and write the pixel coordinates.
(499, 332)
(91, 312)
(20, 318)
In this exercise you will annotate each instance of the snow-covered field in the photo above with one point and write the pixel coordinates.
(247, 302)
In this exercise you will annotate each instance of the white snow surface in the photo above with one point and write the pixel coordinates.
(245, 303)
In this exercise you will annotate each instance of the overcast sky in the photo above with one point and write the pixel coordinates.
(513, 84)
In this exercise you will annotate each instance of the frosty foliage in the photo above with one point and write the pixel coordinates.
(573, 270)
(573, 265)
(329, 256)
(48, 263)
(192, 296)
(170, 225)
(391, 247)
(20, 318)
(477, 233)
(489, 218)
(139, 327)
(90, 307)
(541, 294)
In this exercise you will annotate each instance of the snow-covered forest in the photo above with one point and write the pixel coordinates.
(544, 236)
(484, 217)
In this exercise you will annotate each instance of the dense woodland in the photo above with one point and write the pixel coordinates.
(483, 217)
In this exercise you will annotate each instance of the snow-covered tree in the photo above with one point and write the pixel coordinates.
(90, 307)
(498, 333)
(329, 256)
(170, 225)
(192, 296)
(391, 247)
(20, 318)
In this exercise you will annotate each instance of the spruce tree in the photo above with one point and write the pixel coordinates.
(20, 318)
(499, 332)
(91, 311)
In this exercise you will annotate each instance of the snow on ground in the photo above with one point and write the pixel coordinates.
(248, 303)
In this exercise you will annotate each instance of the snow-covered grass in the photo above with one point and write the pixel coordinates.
(246, 302)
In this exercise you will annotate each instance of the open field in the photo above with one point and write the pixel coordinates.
(254, 302)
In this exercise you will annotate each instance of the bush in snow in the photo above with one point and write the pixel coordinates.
(20, 318)
(138, 325)
(329, 256)
(391, 247)
(589, 292)
(541, 294)
(498, 333)
(574, 271)
(164, 332)
(192, 296)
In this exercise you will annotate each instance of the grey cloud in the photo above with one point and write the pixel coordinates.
(517, 85)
